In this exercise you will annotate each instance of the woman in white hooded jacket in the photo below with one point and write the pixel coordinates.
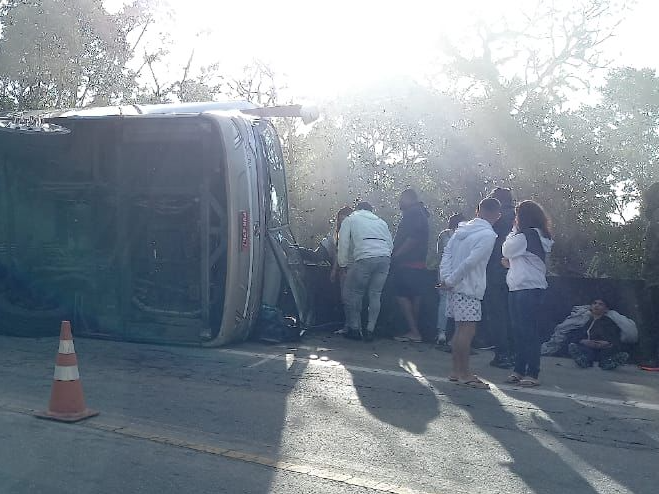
(524, 253)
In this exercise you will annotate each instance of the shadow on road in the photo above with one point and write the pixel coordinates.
(409, 404)
(612, 446)
(200, 395)
(543, 470)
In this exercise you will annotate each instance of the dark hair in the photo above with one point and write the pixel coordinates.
(603, 300)
(411, 194)
(490, 205)
(531, 215)
(454, 220)
(363, 206)
(344, 211)
(504, 196)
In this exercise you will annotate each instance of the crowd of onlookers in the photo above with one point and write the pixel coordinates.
(493, 266)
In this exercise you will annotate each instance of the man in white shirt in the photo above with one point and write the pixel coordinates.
(462, 273)
(366, 240)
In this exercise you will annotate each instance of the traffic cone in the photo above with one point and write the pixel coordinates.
(67, 403)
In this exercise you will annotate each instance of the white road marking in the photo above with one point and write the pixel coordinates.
(290, 359)
(264, 360)
(582, 398)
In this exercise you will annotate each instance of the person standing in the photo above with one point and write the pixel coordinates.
(366, 240)
(442, 242)
(409, 261)
(495, 302)
(525, 253)
(331, 244)
(463, 275)
(650, 273)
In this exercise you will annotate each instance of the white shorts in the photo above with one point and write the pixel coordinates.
(463, 308)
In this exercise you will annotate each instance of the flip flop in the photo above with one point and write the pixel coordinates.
(475, 383)
(407, 339)
(513, 379)
(529, 383)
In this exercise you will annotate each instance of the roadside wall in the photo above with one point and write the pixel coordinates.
(626, 295)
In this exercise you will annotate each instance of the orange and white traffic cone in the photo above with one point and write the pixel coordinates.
(67, 403)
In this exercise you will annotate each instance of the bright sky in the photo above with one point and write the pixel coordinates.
(324, 47)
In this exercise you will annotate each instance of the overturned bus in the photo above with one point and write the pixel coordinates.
(162, 223)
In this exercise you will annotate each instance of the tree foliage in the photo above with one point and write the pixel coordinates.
(497, 111)
(63, 53)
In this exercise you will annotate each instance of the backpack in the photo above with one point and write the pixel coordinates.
(273, 327)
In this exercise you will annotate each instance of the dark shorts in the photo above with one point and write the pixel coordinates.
(408, 282)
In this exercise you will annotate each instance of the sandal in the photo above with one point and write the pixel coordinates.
(529, 382)
(513, 379)
(407, 339)
(475, 383)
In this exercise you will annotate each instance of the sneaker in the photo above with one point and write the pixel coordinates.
(485, 347)
(367, 336)
(441, 337)
(341, 331)
(352, 334)
(608, 364)
(579, 356)
(621, 358)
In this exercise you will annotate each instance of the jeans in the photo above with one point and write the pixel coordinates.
(365, 276)
(497, 317)
(442, 320)
(593, 355)
(524, 314)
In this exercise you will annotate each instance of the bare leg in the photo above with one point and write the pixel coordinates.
(461, 348)
(408, 309)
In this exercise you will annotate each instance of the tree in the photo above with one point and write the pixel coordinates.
(64, 53)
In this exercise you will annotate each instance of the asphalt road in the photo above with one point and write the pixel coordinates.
(328, 416)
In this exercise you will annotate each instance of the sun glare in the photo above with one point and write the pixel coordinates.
(325, 48)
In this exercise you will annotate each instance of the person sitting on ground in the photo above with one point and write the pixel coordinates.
(598, 340)
(442, 242)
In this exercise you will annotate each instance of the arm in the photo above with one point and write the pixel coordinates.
(447, 259)
(514, 246)
(406, 246)
(481, 252)
(344, 243)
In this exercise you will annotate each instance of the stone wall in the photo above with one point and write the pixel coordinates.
(563, 293)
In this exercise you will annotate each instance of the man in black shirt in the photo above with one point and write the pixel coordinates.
(495, 303)
(409, 261)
